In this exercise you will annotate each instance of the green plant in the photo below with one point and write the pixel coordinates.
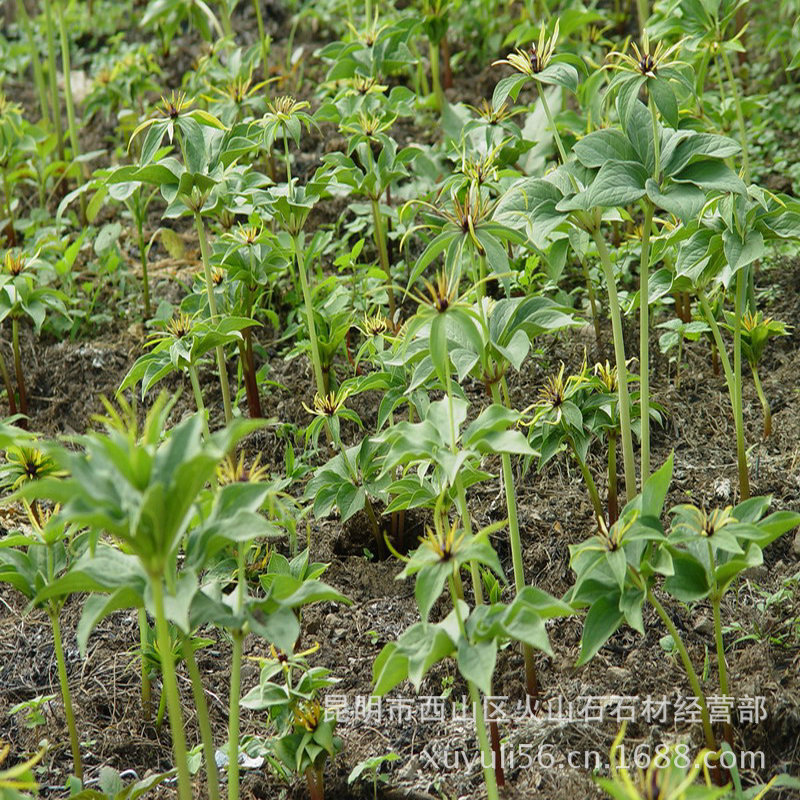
(15, 780)
(676, 333)
(32, 709)
(699, 558)
(372, 767)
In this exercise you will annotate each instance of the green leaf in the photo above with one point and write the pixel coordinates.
(601, 622)
(476, 663)
(690, 581)
(600, 147)
(710, 176)
(664, 97)
(617, 183)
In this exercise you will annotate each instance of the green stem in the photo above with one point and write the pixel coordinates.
(551, 122)
(212, 307)
(622, 369)
(170, 689)
(147, 689)
(730, 380)
(741, 450)
(461, 494)
(203, 719)
(9, 208)
(70, 105)
(643, 14)
(722, 667)
(592, 299)
(53, 77)
(227, 28)
(236, 679)
(38, 74)
(316, 361)
(74, 740)
(763, 399)
(198, 398)
(23, 394)
(436, 80)
(591, 487)
(383, 251)
(531, 680)
(487, 756)
(737, 102)
(143, 259)
(644, 341)
(613, 507)
(262, 38)
(694, 681)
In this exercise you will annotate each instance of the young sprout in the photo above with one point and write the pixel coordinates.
(756, 331)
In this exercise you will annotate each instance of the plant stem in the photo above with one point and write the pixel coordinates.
(531, 680)
(53, 77)
(35, 55)
(622, 369)
(236, 679)
(737, 103)
(170, 689)
(9, 208)
(643, 14)
(383, 251)
(487, 755)
(316, 361)
(730, 380)
(613, 507)
(722, 667)
(592, 299)
(551, 122)
(212, 307)
(12, 403)
(143, 259)
(73, 128)
(203, 720)
(23, 394)
(263, 41)
(74, 740)
(147, 689)
(741, 451)
(694, 681)
(198, 398)
(644, 341)
(764, 403)
(436, 81)
(591, 487)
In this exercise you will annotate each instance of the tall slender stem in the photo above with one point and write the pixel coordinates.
(236, 679)
(644, 343)
(551, 122)
(741, 451)
(436, 79)
(212, 307)
(263, 39)
(591, 487)
(316, 361)
(730, 380)
(737, 103)
(147, 689)
(694, 681)
(203, 720)
(763, 400)
(12, 403)
(198, 398)
(613, 507)
(9, 207)
(70, 105)
(171, 690)
(622, 370)
(383, 252)
(531, 680)
(143, 258)
(487, 755)
(53, 77)
(36, 63)
(74, 739)
(23, 393)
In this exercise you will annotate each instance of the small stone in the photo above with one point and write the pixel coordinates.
(796, 544)
(704, 626)
(722, 489)
(619, 674)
